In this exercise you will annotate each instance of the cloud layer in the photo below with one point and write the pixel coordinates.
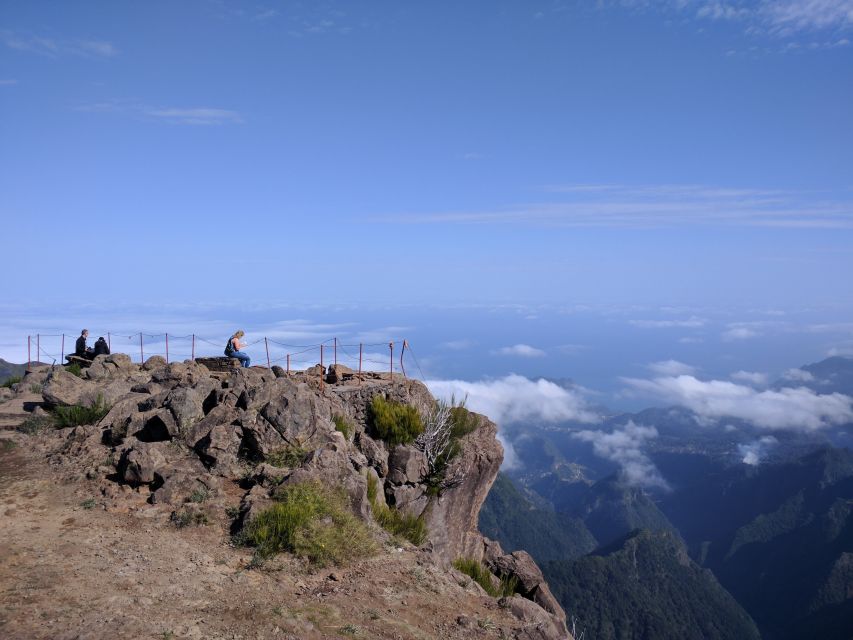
(624, 447)
(520, 350)
(794, 409)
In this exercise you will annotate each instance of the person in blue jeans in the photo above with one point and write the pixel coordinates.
(232, 349)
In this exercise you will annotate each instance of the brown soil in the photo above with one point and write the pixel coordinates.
(87, 559)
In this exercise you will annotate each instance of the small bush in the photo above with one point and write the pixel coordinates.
(36, 388)
(35, 425)
(311, 521)
(290, 456)
(74, 369)
(10, 381)
(187, 517)
(395, 522)
(483, 577)
(76, 415)
(89, 503)
(343, 425)
(393, 422)
(199, 495)
(464, 422)
(7, 445)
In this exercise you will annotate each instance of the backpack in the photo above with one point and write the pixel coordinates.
(229, 347)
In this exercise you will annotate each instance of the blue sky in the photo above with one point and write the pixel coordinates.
(214, 162)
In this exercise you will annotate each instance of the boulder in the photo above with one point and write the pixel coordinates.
(157, 426)
(154, 362)
(185, 405)
(299, 414)
(260, 438)
(141, 463)
(65, 389)
(531, 583)
(406, 464)
(186, 483)
(337, 372)
(122, 418)
(278, 371)
(220, 449)
(317, 370)
(538, 624)
(375, 451)
(408, 499)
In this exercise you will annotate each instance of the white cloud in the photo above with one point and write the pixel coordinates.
(655, 206)
(457, 345)
(794, 409)
(100, 48)
(520, 350)
(754, 452)
(691, 340)
(787, 16)
(54, 48)
(739, 333)
(196, 116)
(691, 323)
(515, 398)
(798, 375)
(751, 377)
(624, 447)
(670, 368)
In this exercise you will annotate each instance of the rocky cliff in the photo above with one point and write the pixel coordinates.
(175, 431)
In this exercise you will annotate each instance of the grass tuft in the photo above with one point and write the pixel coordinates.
(291, 456)
(343, 425)
(35, 425)
(311, 521)
(88, 503)
(74, 369)
(393, 422)
(478, 572)
(76, 415)
(395, 522)
(10, 381)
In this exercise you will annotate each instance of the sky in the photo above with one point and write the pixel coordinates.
(576, 190)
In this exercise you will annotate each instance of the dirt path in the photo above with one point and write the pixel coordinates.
(77, 564)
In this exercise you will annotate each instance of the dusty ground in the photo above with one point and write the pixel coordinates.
(88, 559)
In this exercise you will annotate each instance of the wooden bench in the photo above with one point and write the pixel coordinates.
(82, 362)
(223, 363)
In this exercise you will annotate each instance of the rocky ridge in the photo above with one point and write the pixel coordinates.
(176, 431)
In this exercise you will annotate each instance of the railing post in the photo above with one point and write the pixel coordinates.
(360, 352)
(288, 364)
(336, 352)
(62, 354)
(109, 342)
(321, 355)
(38, 347)
(29, 352)
(391, 346)
(193, 349)
(167, 348)
(267, 345)
(402, 353)
(141, 353)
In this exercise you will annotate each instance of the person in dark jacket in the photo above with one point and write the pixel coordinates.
(80, 348)
(101, 347)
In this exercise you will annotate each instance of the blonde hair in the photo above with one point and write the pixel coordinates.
(238, 334)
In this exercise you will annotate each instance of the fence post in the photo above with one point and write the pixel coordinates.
(288, 364)
(109, 342)
(141, 354)
(62, 354)
(38, 347)
(360, 350)
(193, 350)
(391, 346)
(167, 348)
(402, 352)
(321, 356)
(29, 354)
(336, 352)
(267, 345)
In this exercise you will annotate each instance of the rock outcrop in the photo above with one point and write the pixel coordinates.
(180, 430)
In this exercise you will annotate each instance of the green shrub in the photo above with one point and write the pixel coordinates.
(199, 495)
(10, 381)
(187, 517)
(36, 388)
(290, 456)
(35, 424)
(393, 422)
(464, 422)
(89, 503)
(483, 577)
(395, 522)
(343, 425)
(311, 521)
(80, 414)
(74, 369)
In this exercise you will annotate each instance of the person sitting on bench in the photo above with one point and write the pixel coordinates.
(233, 346)
(101, 347)
(81, 350)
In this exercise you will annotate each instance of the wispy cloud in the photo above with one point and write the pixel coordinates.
(750, 377)
(794, 409)
(670, 368)
(194, 116)
(53, 48)
(754, 452)
(7, 82)
(657, 206)
(520, 350)
(693, 322)
(739, 333)
(624, 447)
